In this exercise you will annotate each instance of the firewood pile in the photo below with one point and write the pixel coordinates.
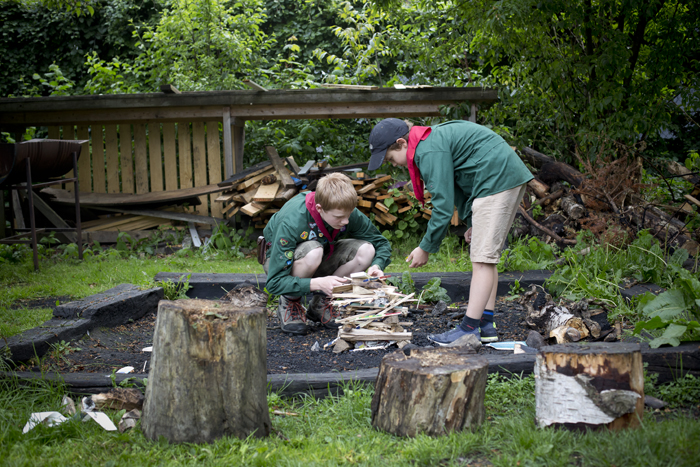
(262, 190)
(371, 315)
(561, 201)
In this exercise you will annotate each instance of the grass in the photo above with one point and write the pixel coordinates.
(337, 431)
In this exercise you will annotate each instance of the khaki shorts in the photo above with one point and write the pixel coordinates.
(492, 218)
(343, 252)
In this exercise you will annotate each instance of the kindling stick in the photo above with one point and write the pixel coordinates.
(378, 315)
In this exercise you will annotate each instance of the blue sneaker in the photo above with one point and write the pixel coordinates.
(488, 332)
(449, 337)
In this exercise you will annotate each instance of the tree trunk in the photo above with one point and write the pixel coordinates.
(663, 227)
(208, 377)
(589, 386)
(431, 391)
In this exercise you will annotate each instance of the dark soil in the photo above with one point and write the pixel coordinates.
(105, 350)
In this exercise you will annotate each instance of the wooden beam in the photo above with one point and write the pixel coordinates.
(172, 215)
(228, 143)
(284, 175)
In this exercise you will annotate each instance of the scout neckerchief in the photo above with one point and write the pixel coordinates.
(311, 206)
(416, 135)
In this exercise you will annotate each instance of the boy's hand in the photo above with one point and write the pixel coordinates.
(326, 284)
(468, 235)
(374, 271)
(418, 257)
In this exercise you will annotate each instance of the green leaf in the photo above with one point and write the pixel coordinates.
(671, 336)
(667, 306)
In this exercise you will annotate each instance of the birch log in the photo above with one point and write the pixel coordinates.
(208, 377)
(590, 385)
(431, 391)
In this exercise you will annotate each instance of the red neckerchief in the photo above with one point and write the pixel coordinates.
(311, 206)
(416, 135)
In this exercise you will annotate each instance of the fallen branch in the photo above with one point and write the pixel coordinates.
(544, 229)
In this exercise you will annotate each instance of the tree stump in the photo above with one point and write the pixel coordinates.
(431, 391)
(208, 377)
(590, 385)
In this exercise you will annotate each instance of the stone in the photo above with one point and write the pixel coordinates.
(535, 340)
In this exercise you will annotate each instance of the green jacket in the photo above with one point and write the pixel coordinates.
(461, 161)
(293, 225)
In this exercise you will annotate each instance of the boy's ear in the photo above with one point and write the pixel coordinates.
(318, 207)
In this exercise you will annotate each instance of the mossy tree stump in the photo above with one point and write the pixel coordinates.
(589, 385)
(431, 391)
(208, 376)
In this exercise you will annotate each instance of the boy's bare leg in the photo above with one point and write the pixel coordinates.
(307, 266)
(362, 260)
(482, 293)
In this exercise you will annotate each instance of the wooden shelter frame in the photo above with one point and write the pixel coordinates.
(137, 143)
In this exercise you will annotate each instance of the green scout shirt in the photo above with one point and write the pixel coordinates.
(461, 161)
(293, 225)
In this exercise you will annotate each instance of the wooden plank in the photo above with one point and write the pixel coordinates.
(292, 165)
(228, 142)
(112, 155)
(54, 132)
(110, 223)
(140, 158)
(381, 206)
(127, 161)
(253, 180)
(266, 193)
(251, 209)
(364, 204)
(285, 195)
(99, 182)
(84, 163)
(692, 199)
(199, 158)
(284, 176)
(238, 134)
(69, 133)
(184, 155)
(249, 172)
(171, 215)
(155, 157)
(170, 156)
(214, 164)
(125, 199)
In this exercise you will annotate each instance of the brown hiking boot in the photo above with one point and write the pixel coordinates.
(292, 315)
(321, 310)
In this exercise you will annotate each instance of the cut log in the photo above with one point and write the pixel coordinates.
(431, 391)
(663, 227)
(535, 158)
(572, 208)
(541, 189)
(208, 376)
(556, 171)
(595, 385)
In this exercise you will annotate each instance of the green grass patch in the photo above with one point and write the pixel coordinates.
(337, 431)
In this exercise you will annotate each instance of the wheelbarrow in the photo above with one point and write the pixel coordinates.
(35, 164)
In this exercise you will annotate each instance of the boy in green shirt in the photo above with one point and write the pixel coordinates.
(468, 166)
(314, 241)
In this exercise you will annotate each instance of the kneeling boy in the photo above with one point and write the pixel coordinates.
(315, 240)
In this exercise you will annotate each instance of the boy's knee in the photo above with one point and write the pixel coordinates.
(365, 252)
(313, 258)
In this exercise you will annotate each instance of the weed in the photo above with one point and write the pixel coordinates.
(404, 282)
(176, 290)
(432, 292)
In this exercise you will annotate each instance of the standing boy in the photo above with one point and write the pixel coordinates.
(468, 166)
(315, 240)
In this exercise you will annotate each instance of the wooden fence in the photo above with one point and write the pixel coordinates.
(137, 157)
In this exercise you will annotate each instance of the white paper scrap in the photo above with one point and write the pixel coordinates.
(147, 349)
(103, 420)
(510, 345)
(49, 418)
(126, 369)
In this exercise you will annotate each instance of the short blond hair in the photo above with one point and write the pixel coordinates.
(336, 191)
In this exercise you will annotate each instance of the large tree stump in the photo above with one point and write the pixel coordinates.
(431, 391)
(591, 385)
(208, 376)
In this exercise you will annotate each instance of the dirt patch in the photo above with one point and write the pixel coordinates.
(105, 350)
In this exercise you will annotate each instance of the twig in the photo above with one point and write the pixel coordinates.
(544, 229)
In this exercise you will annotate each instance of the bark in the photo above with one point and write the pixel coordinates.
(208, 376)
(589, 386)
(432, 391)
(572, 208)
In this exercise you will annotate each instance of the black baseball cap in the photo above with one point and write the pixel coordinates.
(383, 135)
